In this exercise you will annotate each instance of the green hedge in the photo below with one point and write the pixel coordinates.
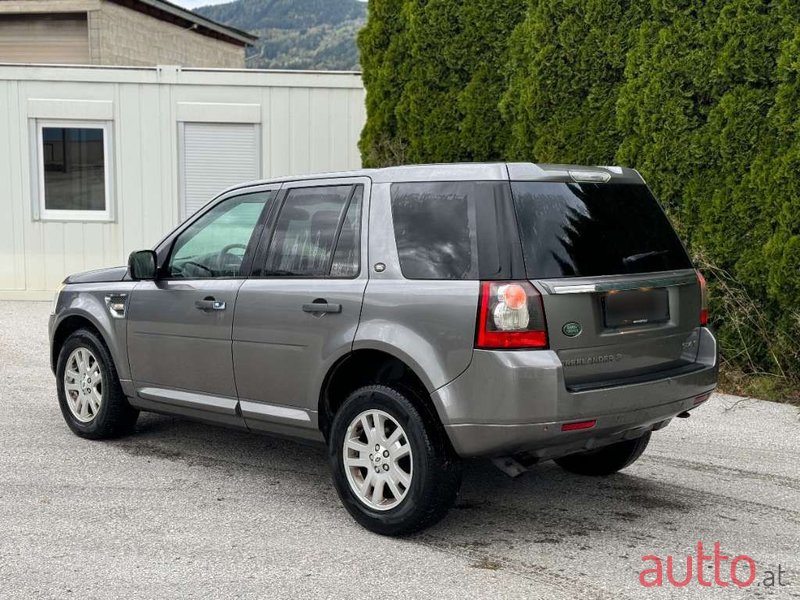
(701, 96)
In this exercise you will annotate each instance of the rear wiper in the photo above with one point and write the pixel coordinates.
(634, 258)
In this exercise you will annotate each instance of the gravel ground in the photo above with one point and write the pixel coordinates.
(187, 510)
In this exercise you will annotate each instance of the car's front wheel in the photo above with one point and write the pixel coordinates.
(89, 392)
(606, 460)
(394, 471)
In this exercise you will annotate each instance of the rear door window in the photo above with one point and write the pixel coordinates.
(347, 258)
(452, 230)
(317, 233)
(594, 229)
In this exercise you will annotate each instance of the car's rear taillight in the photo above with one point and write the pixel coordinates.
(510, 315)
(703, 299)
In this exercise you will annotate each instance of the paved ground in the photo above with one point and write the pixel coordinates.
(186, 510)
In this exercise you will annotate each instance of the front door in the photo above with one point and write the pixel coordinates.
(300, 309)
(179, 326)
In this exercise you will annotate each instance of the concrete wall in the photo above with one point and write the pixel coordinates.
(309, 122)
(121, 36)
(47, 6)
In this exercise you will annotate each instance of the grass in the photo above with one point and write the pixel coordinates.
(762, 386)
(759, 358)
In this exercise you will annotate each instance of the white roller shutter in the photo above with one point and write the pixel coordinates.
(215, 157)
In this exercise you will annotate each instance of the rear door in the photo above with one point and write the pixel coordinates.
(299, 311)
(621, 299)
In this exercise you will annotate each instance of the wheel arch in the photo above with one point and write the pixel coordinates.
(71, 323)
(370, 366)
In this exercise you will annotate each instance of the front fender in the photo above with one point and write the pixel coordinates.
(87, 303)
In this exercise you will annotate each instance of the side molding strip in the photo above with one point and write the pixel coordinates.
(272, 412)
(215, 404)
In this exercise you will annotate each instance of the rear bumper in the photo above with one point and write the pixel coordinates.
(510, 402)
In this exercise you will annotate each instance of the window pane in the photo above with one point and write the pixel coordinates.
(215, 244)
(453, 230)
(306, 230)
(347, 258)
(74, 168)
(591, 229)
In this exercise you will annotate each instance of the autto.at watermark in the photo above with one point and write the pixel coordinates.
(728, 571)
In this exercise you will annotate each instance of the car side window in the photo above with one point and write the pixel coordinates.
(347, 258)
(317, 233)
(216, 243)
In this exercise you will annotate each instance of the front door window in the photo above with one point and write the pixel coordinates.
(215, 245)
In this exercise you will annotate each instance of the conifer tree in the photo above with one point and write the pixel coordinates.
(385, 56)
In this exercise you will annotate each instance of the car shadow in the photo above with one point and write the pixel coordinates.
(543, 506)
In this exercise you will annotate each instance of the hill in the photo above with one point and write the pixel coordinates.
(296, 34)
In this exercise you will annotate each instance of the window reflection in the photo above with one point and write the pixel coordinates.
(571, 230)
(73, 160)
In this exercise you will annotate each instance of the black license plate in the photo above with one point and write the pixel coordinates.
(635, 307)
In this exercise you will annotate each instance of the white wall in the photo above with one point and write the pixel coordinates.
(309, 122)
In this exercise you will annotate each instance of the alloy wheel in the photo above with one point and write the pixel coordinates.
(83, 385)
(378, 460)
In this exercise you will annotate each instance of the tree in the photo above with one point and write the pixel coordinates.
(428, 114)
(666, 97)
(385, 56)
(568, 63)
(701, 96)
(487, 27)
(449, 108)
(782, 250)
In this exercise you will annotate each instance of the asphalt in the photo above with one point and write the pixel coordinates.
(185, 510)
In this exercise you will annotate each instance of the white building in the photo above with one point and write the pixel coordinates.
(98, 161)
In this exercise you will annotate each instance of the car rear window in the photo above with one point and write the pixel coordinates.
(592, 229)
(453, 230)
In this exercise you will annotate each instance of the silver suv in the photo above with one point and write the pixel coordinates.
(408, 317)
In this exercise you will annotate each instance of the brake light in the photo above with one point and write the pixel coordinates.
(703, 299)
(510, 315)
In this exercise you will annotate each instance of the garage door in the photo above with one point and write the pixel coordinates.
(216, 156)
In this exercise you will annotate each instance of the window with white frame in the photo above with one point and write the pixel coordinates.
(74, 169)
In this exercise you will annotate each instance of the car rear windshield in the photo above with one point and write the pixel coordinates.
(592, 229)
(453, 230)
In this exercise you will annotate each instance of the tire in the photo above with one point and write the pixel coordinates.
(420, 457)
(607, 460)
(109, 417)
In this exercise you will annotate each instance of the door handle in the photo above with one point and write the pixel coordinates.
(320, 306)
(209, 304)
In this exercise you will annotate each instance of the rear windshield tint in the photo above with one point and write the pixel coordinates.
(592, 229)
(453, 230)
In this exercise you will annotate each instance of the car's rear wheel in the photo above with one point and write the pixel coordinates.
(89, 392)
(394, 471)
(606, 460)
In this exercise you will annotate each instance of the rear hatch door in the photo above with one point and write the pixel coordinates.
(621, 298)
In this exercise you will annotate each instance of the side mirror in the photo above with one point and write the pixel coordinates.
(143, 265)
